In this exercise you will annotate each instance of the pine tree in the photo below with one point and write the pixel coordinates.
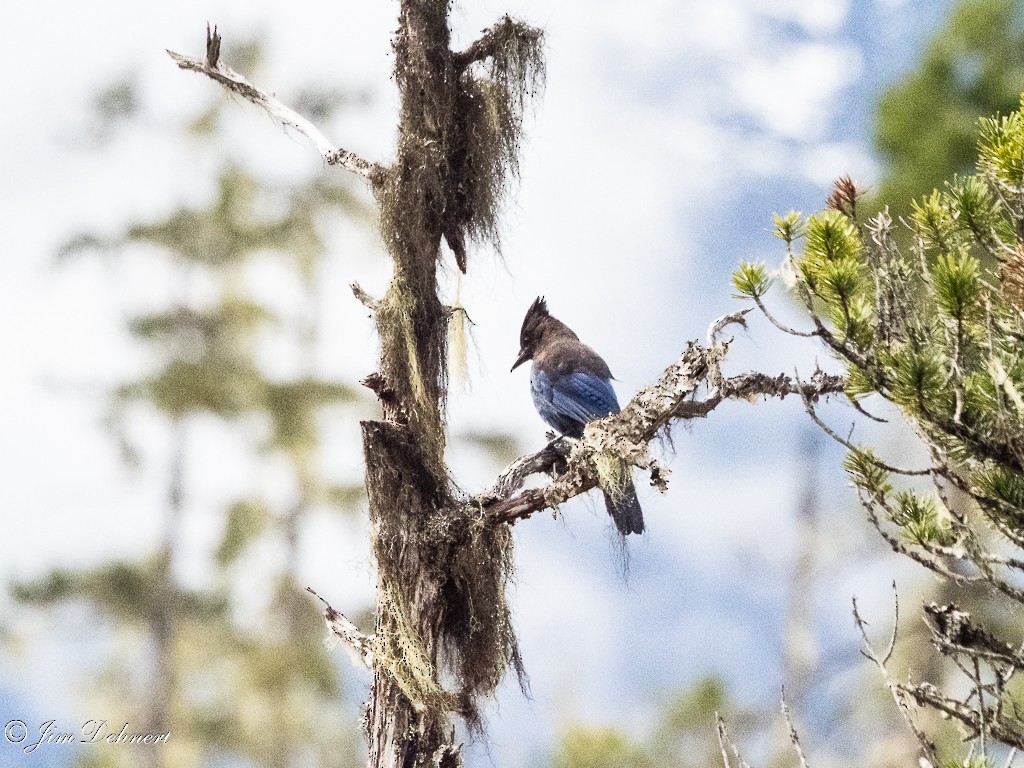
(930, 329)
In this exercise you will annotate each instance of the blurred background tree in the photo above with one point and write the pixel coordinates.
(926, 123)
(216, 664)
(681, 738)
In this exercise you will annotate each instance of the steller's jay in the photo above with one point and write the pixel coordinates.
(571, 387)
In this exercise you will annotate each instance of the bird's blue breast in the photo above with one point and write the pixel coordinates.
(571, 401)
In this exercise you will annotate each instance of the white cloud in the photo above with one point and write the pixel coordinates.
(823, 163)
(793, 94)
(818, 17)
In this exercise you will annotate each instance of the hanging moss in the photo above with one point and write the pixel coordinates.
(479, 644)
(476, 642)
(401, 649)
(413, 330)
(445, 636)
(458, 146)
(492, 99)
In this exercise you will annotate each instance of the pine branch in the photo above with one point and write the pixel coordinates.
(809, 407)
(216, 70)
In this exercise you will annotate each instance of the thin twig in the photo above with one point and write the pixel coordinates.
(895, 624)
(809, 407)
(792, 730)
(929, 562)
(736, 318)
(981, 709)
(363, 297)
(720, 726)
(780, 325)
(927, 695)
(868, 651)
(864, 412)
(723, 739)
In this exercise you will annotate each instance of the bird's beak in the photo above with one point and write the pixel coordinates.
(524, 355)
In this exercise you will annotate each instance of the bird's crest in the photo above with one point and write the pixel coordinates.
(535, 316)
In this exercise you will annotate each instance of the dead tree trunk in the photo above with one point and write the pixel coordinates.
(440, 593)
(400, 730)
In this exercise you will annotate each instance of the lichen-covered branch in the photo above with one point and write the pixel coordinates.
(927, 695)
(216, 70)
(625, 436)
(549, 459)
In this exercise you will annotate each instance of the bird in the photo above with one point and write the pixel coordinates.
(571, 387)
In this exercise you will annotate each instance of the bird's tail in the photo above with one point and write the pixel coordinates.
(625, 510)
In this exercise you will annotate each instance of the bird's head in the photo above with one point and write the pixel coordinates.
(535, 324)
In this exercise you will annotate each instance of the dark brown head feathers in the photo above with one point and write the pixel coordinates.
(533, 321)
(539, 325)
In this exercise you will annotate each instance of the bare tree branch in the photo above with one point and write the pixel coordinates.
(895, 624)
(954, 632)
(359, 645)
(923, 554)
(809, 407)
(626, 435)
(550, 458)
(779, 324)
(736, 318)
(215, 69)
(928, 553)
(720, 727)
(926, 694)
(363, 297)
(927, 746)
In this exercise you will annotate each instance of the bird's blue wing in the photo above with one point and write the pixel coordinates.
(568, 403)
(584, 396)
